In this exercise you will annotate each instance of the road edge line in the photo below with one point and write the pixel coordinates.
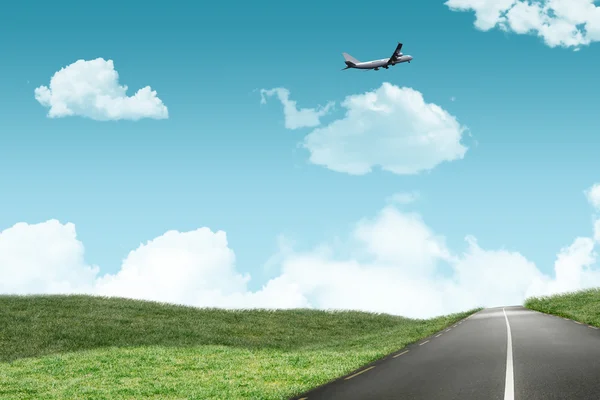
(360, 372)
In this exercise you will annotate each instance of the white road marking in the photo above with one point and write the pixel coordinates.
(577, 322)
(438, 335)
(421, 344)
(448, 330)
(593, 327)
(566, 319)
(509, 386)
(358, 373)
(398, 355)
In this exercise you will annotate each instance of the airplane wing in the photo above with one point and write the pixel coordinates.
(396, 52)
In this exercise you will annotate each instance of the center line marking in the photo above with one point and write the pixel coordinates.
(358, 373)
(509, 386)
(438, 335)
(398, 355)
(421, 344)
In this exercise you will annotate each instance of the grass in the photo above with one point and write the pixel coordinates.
(78, 347)
(582, 306)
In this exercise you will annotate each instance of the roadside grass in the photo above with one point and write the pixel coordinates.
(582, 306)
(75, 347)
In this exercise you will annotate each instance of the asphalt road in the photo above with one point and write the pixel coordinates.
(508, 353)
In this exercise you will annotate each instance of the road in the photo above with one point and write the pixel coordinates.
(506, 353)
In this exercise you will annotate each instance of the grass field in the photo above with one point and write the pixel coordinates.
(582, 306)
(81, 347)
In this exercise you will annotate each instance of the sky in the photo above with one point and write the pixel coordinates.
(218, 156)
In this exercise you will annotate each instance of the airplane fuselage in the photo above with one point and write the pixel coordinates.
(396, 58)
(382, 63)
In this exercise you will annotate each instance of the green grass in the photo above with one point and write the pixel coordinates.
(79, 347)
(582, 306)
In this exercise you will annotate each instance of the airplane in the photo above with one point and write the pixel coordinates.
(396, 58)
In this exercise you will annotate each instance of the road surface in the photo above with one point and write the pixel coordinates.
(506, 353)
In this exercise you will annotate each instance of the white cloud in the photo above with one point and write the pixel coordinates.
(403, 198)
(194, 267)
(396, 237)
(396, 269)
(91, 89)
(43, 258)
(566, 23)
(593, 196)
(296, 118)
(390, 127)
(571, 265)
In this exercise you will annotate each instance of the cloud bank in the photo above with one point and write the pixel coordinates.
(296, 118)
(91, 89)
(565, 23)
(392, 128)
(395, 269)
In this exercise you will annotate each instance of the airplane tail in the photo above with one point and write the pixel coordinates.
(349, 59)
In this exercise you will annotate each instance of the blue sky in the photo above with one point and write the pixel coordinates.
(225, 161)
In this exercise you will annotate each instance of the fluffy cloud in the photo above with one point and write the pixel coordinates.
(43, 258)
(178, 267)
(566, 23)
(593, 195)
(296, 118)
(91, 89)
(395, 269)
(390, 127)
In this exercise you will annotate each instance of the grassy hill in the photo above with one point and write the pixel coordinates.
(67, 347)
(582, 306)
